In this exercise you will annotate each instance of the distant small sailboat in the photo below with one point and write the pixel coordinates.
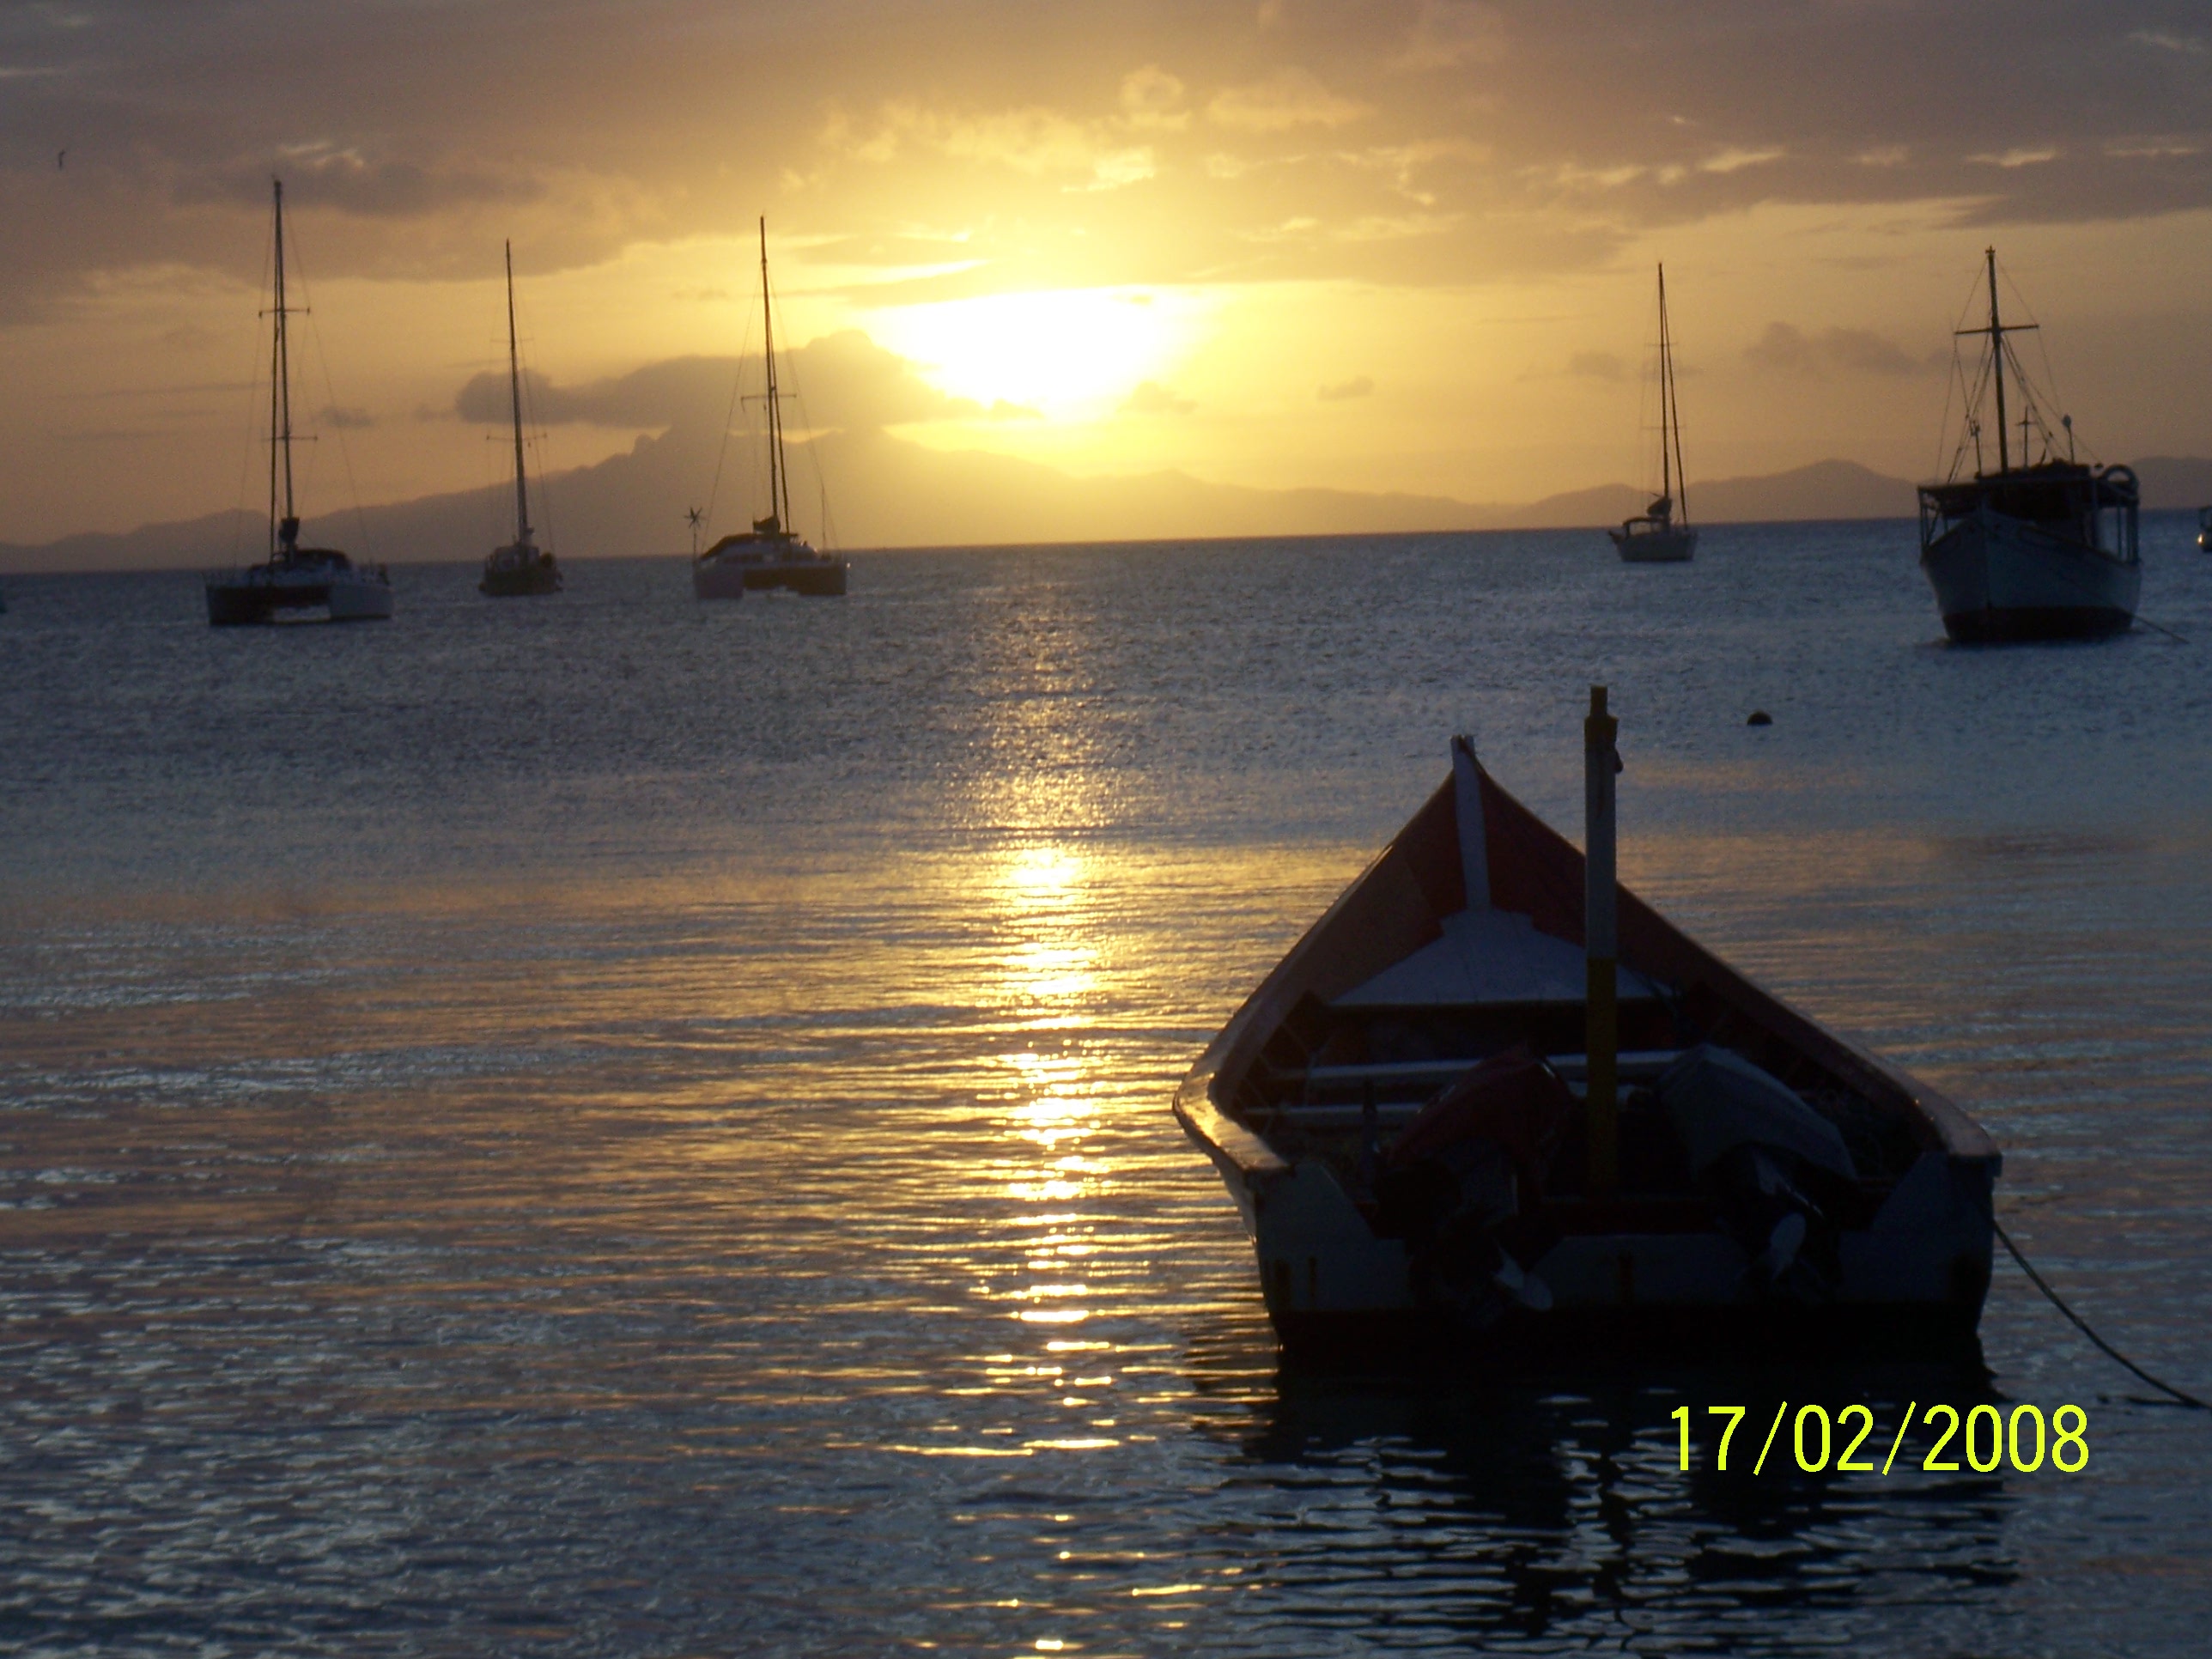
(2204, 529)
(2036, 550)
(294, 582)
(521, 568)
(770, 554)
(1657, 536)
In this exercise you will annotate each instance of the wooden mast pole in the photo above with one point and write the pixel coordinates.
(1601, 948)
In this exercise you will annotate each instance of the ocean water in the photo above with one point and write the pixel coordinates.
(607, 1125)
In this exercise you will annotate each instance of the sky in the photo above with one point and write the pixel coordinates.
(1401, 246)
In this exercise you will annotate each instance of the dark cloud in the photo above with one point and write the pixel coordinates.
(1358, 386)
(345, 419)
(841, 381)
(1789, 351)
(1078, 141)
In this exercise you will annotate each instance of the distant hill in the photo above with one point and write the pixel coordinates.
(2174, 481)
(886, 491)
(1825, 489)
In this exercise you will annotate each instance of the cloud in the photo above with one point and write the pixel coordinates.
(1788, 350)
(1151, 97)
(1735, 161)
(2019, 156)
(1358, 386)
(843, 381)
(1151, 397)
(345, 418)
(1289, 98)
(1448, 34)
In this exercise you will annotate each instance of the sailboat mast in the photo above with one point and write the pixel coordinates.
(515, 385)
(280, 389)
(1997, 358)
(779, 486)
(1666, 393)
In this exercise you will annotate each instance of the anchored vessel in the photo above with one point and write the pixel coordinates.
(2044, 550)
(521, 568)
(294, 583)
(1657, 536)
(770, 554)
(1492, 1100)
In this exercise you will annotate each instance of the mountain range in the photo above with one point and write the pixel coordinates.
(883, 491)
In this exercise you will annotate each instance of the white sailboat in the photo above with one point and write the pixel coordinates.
(2035, 550)
(521, 568)
(294, 583)
(1657, 535)
(771, 553)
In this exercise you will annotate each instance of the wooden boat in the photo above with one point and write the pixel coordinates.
(1451, 1117)
(521, 569)
(771, 553)
(294, 583)
(2035, 550)
(1657, 536)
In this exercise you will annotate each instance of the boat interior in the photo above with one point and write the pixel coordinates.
(2096, 508)
(1455, 964)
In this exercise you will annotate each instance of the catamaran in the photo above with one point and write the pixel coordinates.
(1657, 535)
(294, 583)
(521, 568)
(771, 553)
(2041, 549)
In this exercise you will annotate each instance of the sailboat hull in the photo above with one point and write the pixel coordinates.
(1999, 580)
(820, 579)
(1665, 544)
(711, 579)
(259, 594)
(519, 571)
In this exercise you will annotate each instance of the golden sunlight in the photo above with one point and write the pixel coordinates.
(1061, 353)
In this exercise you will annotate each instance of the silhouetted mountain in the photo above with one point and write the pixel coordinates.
(887, 492)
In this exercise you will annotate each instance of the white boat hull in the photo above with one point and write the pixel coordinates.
(2001, 579)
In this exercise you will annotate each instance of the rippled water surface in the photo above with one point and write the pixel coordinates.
(606, 1125)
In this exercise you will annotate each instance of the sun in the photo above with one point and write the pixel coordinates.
(1065, 354)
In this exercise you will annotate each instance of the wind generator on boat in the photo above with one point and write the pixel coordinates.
(294, 583)
(2042, 550)
(771, 553)
(1657, 535)
(1492, 1102)
(521, 568)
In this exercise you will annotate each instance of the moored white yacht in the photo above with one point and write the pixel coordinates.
(1657, 536)
(294, 583)
(771, 553)
(2042, 550)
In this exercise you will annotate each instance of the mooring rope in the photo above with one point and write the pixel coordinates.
(2058, 1302)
